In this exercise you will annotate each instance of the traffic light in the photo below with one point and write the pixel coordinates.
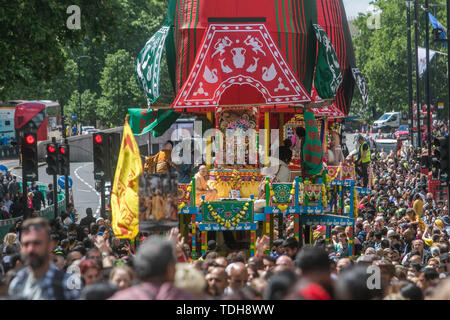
(52, 159)
(440, 161)
(100, 148)
(114, 149)
(29, 156)
(64, 160)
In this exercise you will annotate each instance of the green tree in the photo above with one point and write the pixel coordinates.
(130, 25)
(88, 108)
(59, 88)
(119, 89)
(34, 35)
(381, 55)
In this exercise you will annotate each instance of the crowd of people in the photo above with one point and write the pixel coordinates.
(89, 263)
(399, 250)
(12, 199)
(8, 147)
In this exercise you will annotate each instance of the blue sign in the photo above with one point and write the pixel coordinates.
(3, 168)
(74, 116)
(62, 180)
(217, 227)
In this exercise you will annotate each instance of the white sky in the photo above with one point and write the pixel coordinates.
(353, 7)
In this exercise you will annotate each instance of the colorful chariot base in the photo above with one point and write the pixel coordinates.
(309, 203)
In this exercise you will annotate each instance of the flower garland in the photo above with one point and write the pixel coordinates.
(236, 181)
(301, 193)
(235, 177)
(314, 192)
(305, 192)
(355, 202)
(324, 189)
(188, 189)
(324, 195)
(330, 177)
(228, 223)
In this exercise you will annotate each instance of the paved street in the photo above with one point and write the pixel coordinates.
(84, 192)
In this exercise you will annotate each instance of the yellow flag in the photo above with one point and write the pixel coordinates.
(124, 195)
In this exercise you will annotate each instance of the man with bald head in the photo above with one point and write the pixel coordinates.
(221, 262)
(285, 261)
(216, 282)
(237, 278)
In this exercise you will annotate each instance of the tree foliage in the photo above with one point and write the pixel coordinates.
(40, 55)
(35, 36)
(119, 88)
(88, 109)
(381, 55)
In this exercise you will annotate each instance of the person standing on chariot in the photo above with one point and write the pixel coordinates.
(162, 161)
(335, 155)
(297, 147)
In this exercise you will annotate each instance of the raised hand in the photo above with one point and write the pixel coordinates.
(102, 245)
(174, 233)
(261, 245)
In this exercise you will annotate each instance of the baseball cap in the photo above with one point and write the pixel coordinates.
(58, 251)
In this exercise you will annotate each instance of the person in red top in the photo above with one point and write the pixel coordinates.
(30, 200)
(399, 148)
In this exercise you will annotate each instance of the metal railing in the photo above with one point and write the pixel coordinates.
(47, 212)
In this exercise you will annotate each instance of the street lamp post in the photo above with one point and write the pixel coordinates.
(427, 79)
(117, 80)
(409, 4)
(79, 89)
(416, 43)
(448, 83)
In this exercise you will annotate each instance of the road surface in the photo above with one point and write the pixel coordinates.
(84, 193)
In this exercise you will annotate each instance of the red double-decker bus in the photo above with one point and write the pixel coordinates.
(43, 117)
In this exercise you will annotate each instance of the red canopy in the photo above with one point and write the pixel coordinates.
(329, 112)
(239, 64)
(289, 24)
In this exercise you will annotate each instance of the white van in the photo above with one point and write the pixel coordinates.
(389, 121)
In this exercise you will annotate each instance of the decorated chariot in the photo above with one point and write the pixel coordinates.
(250, 75)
